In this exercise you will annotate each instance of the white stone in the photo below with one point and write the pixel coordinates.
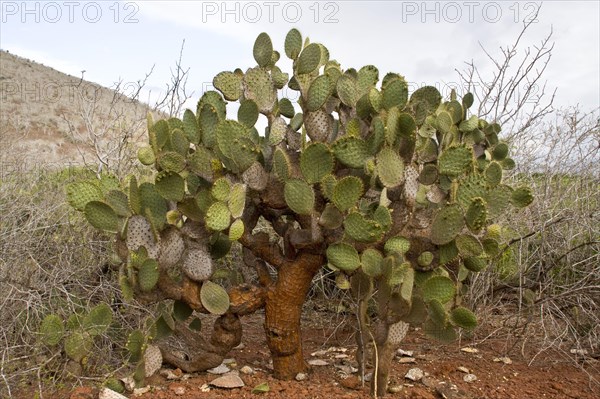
(414, 374)
(220, 369)
(470, 378)
(247, 370)
(318, 362)
(228, 381)
(301, 376)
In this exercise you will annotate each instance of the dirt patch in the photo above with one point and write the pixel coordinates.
(551, 375)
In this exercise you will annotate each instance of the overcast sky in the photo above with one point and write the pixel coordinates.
(424, 41)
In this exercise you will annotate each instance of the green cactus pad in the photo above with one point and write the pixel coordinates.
(383, 216)
(320, 89)
(500, 151)
(293, 44)
(406, 125)
(316, 161)
(136, 343)
(347, 90)
(372, 262)
(52, 330)
(429, 96)
(468, 245)
(437, 313)
(425, 259)
(351, 151)
(97, 320)
(395, 94)
(446, 225)
(256, 177)
(229, 84)
(171, 161)
(318, 124)
(102, 216)
(179, 142)
(148, 275)
(181, 311)
(286, 108)
(475, 264)
(236, 230)
(201, 163)
(154, 207)
(208, 120)
(469, 125)
(198, 265)
(263, 50)
(228, 132)
(158, 135)
(146, 155)
(218, 216)
(468, 100)
(521, 197)
(214, 298)
(170, 186)
(390, 168)
(444, 122)
(78, 345)
(455, 161)
(309, 59)
(476, 214)
(445, 334)
(347, 192)
(214, 99)
(297, 121)
(220, 189)
(259, 87)
(362, 229)
(397, 245)
(508, 164)
(119, 202)
(277, 131)
(281, 165)
(191, 127)
(79, 194)
(237, 200)
(463, 317)
(498, 199)
(472, 186)
(343, 257)
(331, 218)
(439, 288)
(248, 113)
(493, 174)
(448, 253)
(428, 175)
(299, 196)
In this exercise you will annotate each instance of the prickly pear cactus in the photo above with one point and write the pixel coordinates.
(394, 191)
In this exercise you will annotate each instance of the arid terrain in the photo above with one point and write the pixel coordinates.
(499, 369)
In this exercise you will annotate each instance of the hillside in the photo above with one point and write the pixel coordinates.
(48, 118)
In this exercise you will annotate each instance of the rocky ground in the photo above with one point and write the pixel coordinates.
(422, 369)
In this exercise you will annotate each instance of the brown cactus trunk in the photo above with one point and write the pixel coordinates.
(282, 314)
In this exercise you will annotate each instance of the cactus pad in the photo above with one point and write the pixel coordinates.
(146, 155)
(139, 233)
(277, 131)
(170, 186)
(299, 196)
(390, 168)
(79, 194)
(255, 177)
(463, 317)
(446, 225)
(316, 161)
(171, 247)
(293, 44)
(263, 50)
(319, 125)
(455, 161)
(347, 192)
(78, 345)
(102, 216)
(397, 332)
(343, 257)
(521, 197)
(475, 264)
(171, 161)
(198, 265)
(476, 214)
(52, 330)
(397, 245)
(97, 320)
(152, 360)
(309, 59)
(371, 262)
(468, 245)
(218, 216)
(148, 275)
(497, 200)
(237, 200)
(318, 92)
(214, 298)
(493, 174)
(220, 189)
(259, 87)
(439, 288)
(362, 229)
(119, 202)
(347, 90)
(229, 84)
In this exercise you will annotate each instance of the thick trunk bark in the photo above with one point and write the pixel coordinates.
(282, 314)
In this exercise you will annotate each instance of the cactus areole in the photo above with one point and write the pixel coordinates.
(396, 192)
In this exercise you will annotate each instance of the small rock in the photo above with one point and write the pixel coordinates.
(430, 382)
(240, 346)
(346, 369)
(105, 393)
(580, 352)
(220, 369)
(404, 360)
(470, 378)
(341, 356)
(468, 349)
(504, 359)
(352, 382)
(463, 369)
(414, 374)
(369, 377)
(204, 388)
(401, 352)
(171, 374)
(228, 381)
(319, 353)
(247, 370)
(177, 388)
(141, 391)
(394, 388)
(301, 376)
(318, 362)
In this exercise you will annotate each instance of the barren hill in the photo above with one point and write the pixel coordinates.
(48, 118)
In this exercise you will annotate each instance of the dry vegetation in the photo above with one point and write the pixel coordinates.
(53, 262)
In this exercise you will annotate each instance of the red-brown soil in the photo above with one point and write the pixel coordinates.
(551, 375)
